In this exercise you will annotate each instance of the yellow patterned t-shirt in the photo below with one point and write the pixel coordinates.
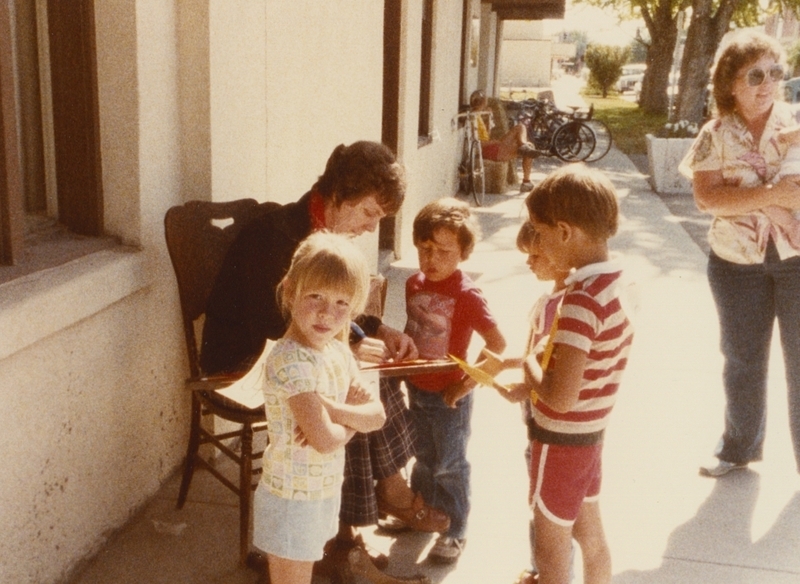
(292, 471)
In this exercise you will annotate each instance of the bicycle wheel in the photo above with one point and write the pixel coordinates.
(477, 175)
(573, 142)
(602, 139)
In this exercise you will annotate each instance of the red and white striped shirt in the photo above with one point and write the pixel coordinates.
(593, 320)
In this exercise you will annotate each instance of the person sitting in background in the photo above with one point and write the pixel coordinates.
(514, 143)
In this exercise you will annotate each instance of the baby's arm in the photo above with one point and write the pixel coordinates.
(790, 136)
(362, 411)
(317, 428)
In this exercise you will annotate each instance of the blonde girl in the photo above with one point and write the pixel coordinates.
(314, 403)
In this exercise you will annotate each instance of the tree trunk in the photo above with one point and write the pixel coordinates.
(702, 39)
(662, 26)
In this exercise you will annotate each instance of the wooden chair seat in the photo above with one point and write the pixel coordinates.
(198, 235)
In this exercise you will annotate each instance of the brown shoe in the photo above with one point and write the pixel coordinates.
(418, 516)
(335, 554)
(257, 562)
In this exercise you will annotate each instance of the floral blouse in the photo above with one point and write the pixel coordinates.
(292, 471)
(726, 144)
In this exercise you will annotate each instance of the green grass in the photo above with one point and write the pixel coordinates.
(627, 122)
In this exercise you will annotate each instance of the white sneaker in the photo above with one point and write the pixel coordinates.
(447, 549)
(722, 468)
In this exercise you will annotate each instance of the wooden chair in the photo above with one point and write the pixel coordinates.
(197, 244)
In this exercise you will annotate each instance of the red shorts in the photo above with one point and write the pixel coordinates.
(490, 150)
(563, 478)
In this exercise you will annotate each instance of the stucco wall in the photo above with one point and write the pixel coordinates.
(289, 82)
(432, 166)
(95, 417)
(526, 55)
(212, 100)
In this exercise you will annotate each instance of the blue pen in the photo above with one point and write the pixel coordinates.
(357, 331)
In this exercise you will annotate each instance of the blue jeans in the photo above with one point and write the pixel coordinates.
(441, 471)
(749, 298)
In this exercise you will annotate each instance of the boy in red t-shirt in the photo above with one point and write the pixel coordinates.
(444, 306)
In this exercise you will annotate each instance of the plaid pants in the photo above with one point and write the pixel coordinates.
(376, 455)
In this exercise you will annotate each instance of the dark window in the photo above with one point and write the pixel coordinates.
(426, 67)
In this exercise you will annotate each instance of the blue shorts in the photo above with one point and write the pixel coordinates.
(295, 530)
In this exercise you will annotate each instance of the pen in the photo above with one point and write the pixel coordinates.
(357, 333)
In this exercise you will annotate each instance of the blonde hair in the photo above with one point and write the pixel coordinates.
(326, 261)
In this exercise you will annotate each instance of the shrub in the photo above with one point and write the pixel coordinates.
(680, 129)
(605, 65)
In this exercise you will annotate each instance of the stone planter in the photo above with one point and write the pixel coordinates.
(663, 157)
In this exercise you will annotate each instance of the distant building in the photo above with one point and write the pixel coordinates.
(526, 56)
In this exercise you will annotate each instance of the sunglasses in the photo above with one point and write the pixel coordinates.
(757, 76)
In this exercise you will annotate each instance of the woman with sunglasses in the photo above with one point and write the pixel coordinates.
(753, 267)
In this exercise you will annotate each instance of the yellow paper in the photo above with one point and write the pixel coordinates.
(478, 375)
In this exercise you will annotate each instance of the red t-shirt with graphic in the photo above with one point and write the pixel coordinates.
(441, 318)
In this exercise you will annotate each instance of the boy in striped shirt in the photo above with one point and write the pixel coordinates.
(573, 385)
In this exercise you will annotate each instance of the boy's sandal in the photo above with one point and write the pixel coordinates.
(419, 516)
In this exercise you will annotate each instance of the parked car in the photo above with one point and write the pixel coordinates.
(791, 90)
(632, 74)
(791, 93)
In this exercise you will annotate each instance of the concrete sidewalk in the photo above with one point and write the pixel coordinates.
(665, 524)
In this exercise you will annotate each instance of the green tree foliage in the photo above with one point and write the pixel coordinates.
(638, 47)
(793, 56)
(708, 21)
(605, 65)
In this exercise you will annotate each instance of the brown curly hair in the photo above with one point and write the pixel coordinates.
(360, 169)
(743, 49)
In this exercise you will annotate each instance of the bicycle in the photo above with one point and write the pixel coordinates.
(554, 132)
(603, 139)
(471, 170)
(601, 131)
